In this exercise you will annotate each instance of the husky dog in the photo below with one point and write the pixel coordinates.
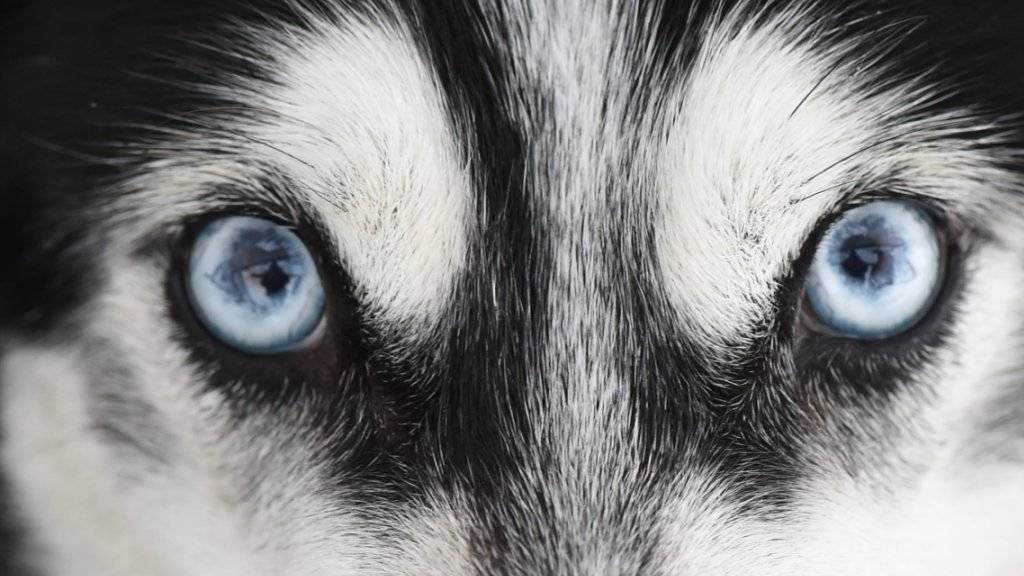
(512, 287)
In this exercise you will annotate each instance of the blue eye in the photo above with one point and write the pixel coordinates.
(254, 285)
(877, 271)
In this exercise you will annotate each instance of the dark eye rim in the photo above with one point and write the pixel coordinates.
(811, 318)
(336, 350)
(816, 347)
(309, 340)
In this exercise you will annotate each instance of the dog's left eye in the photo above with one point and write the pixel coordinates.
(876, 272)
(254, 285)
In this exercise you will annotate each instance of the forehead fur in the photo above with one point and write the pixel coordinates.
(345, 122)
(778, 121)
(573, 233)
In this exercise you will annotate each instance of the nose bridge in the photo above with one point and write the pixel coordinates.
(571, 493)
(586, 403)
(578, 503)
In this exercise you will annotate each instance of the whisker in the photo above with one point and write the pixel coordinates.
(814, 89)
(846, 184)
(853, 154)
(74, 154)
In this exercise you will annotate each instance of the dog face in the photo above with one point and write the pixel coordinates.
(513, 288)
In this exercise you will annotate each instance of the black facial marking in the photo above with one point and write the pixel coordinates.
(455, 410)
(497, 314)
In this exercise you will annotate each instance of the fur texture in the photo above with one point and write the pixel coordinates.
(564, 247)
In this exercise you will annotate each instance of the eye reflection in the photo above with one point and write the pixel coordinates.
(876, 272)
(254, 285)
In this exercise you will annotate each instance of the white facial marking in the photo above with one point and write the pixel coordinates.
(574, 56)
(235, 496)
(362, 110)
(352, 119)
(767, 131)
(354, 127)
(771, 129)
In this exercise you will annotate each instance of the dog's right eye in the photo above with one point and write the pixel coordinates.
(254, 285)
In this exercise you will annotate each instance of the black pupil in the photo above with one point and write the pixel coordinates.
(274, 280)
(867, 260)
(265, 266)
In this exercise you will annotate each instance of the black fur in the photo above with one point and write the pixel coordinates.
(453, 411)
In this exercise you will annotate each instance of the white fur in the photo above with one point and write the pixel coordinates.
(574, 56)
(231, 499)
(770, 131)
(354, 127)
(745, 176)
(357, 124)
(760, 144)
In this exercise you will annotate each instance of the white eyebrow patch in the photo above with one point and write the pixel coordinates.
(766, 118)
(356, 121)
(363, 125)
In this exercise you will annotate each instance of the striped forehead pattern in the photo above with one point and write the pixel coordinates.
(638, 185)
(573, 237)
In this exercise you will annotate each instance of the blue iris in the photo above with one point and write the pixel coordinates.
(877, 271)
(254, 285)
